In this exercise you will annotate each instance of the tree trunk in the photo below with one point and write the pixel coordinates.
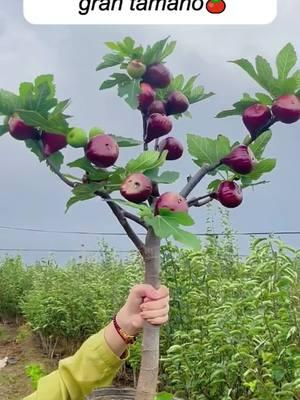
(147, 383)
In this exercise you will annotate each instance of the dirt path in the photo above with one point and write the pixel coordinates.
(18, 344)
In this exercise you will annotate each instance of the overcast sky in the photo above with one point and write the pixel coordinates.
(32, 197)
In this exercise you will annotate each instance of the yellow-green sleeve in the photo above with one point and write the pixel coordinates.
(94, 365)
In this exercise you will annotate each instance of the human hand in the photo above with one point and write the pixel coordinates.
(144, 303)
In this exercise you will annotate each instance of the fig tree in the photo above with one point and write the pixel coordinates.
(173, 146)
(103, 151)
(136, 188)
(177, 103)
(287, 108)
(146, 96)
(229, 194)
(136, 69)
(19, 130)
(256, 117)
(158, 76)
(172, 201)
(157, 106)
(52, 143)
(241, 160)
(158, 125)
(77, 138)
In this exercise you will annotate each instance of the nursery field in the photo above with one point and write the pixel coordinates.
(234, 330)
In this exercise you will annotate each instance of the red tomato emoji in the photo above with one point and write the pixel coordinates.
(215, 6)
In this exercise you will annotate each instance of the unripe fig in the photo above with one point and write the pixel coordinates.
(287, 108)
(177, 103)
(103, 151)
(229, 194)
(136, 69)
(95, 132)
(158, 76)
(172, 201)
(173, 146)
(241, 160)
(157, 106)
(52, 143)
(77, 138)
(146, 97)
(136, 188)
(158, 125)
(256, 117)
(19, 130)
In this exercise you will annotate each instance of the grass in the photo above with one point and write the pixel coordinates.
(19, 344)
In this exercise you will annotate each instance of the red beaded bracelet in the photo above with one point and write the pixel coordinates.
(128, 339)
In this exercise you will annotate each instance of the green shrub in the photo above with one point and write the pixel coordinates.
(14, 282)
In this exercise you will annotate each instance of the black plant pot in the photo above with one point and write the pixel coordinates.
(113, 394)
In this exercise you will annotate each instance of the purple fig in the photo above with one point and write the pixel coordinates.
(172, 201)
(103, 151)
(158, 76)
(173, 146)
(157, 106)
(158, 125)
(146, 96)
(19, 130)
(229, 194)
(287, 108)
(177, 103)
(241, 160)
(256, 117)
(136, 188)
(52, 143)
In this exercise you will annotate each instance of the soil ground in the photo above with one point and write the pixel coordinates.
(22, 349)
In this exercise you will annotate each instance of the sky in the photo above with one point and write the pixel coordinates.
(32, 197)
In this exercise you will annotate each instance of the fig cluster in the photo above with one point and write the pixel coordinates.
(285, 109)
(156, 111)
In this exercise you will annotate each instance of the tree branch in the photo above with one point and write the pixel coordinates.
(145, 131)
(61, 175)
(203, 171)
(120, 214)
(197, 200)
(118, 211)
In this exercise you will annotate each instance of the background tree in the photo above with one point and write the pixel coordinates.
(38, 118)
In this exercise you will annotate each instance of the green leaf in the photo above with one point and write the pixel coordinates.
(83, 192)
(170, 47)
(9, 103)
(165, 227)
(61, 107)
(286, 60)
(239, 107)
(130, 91)
(147, 160)
(126, 142)
(247, 67)
(94, 173)
(164, 396)
(57, 160)
(38, 96)
(261, 168)
(228, 113)
(264, 99)
(110, 60)
(214, 184)
(156, 53)
(167, 177)
(259, 145)
(206, 150)
(117, 79)
(36, 148)
(3, 129)
(265, 73)
(143, 208)
(56, 125)
(180, 218)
